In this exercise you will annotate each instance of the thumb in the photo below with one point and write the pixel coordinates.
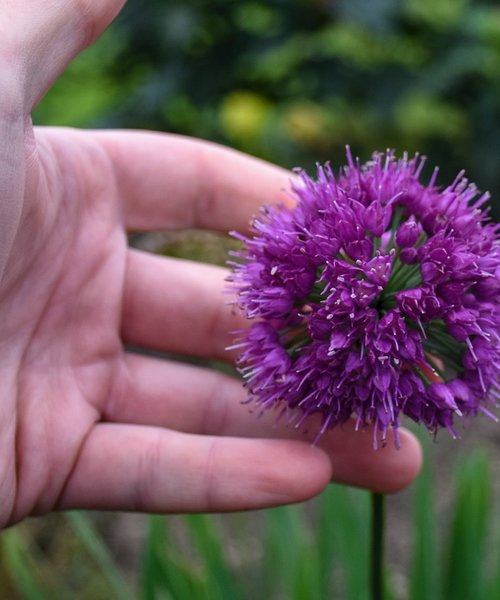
(42, 36)
(38, 39)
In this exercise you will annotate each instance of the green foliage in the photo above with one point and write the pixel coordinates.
(295, 81)
(59, 557)
(88, 89)
(164, 573)
(441, 15)
(466, 557)
(455, 562)
(424, 568)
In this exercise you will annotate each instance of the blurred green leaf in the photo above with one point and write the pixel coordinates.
(258, 18)
(350, 510)
(291, 564)
(440, 14)
(221, 582)
(424, 574)
(24, 570)
(93, 544)
(465, 556)
(419, 117)
(164, 574)
(87, 90)
(366, 49)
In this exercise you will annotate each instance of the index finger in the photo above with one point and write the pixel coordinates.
(173, 182)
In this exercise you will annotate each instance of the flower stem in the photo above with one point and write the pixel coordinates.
(377, 546)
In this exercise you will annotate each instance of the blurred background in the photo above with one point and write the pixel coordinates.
(291, 81)
(294, 81)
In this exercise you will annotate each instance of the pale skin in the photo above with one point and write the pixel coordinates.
(83, 422)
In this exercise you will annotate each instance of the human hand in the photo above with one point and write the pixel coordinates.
(83, 422)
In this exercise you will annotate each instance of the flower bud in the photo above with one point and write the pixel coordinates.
(408, 233)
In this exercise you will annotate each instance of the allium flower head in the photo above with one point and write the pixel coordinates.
(375, 296)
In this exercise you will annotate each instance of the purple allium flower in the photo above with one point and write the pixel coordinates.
(375, 296)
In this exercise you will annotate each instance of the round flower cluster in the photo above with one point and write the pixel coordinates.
(375, 296)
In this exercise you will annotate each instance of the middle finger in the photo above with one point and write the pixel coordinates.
(178, 306)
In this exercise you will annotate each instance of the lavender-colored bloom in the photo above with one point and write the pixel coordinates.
(361, 287)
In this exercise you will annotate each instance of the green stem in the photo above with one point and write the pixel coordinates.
(402, 276)
(396, 220)
(377, 546)
(450, 352)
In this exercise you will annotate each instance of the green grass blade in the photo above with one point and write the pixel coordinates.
(306, 581)
(465, 557)
(291, 565)
(152, 576)
(163, 573)
(424, 578)
(350, 510)
(220, 580)
(492, 584)
(279, 552)
(325, 536)
(97, 550)
(23, 571)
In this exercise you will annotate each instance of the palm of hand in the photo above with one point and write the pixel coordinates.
(63, 311)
